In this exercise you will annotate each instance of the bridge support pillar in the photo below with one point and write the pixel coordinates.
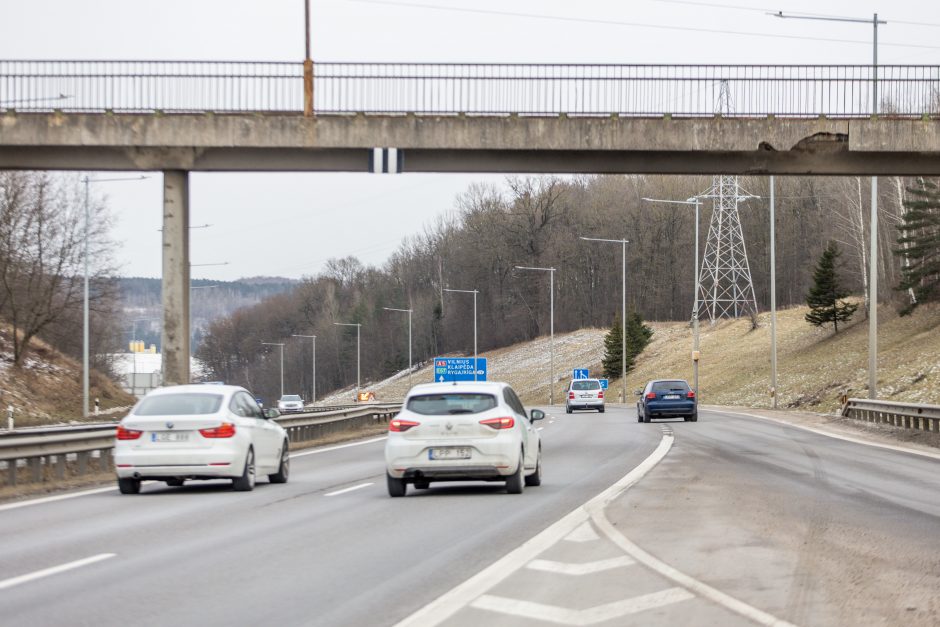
(175, 339)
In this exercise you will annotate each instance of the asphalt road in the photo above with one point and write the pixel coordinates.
(796, 526)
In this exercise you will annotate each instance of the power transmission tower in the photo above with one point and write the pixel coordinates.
(725, 286)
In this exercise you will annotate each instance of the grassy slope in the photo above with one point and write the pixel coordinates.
(814, 366)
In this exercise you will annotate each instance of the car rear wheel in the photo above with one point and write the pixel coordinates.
(515, 484)
(535, 479)
(246, 483)
(129, 485)
(694, 417)
(396, 487)
(567, 409)
(175, 482)
(601, 410)
(283, 470)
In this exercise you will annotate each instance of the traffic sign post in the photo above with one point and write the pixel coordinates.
(580, 373)
(449, 369)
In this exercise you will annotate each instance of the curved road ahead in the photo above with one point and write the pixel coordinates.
(742, 521)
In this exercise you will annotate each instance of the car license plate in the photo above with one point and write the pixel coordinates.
(671, 397)
(169, 436)
(450, 452)
(587, 396)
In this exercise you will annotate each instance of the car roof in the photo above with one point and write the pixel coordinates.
(668, 381)
(588, 379)
(482, 387)
(197, 388)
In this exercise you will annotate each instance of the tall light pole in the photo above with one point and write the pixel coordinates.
(409, 311)
(773, 296)
(873, 245)
(85, 308)
(551, 300)
(358, 327)
(623, 312)
(313, 372)
(696, 354)
(474, 292)
(281, 346)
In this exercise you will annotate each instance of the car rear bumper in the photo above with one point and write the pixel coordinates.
(682, 408)
(587, 403)
(412, 459)
(181, 463)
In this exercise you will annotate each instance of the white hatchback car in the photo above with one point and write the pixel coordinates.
(200, 432)
(463, 432)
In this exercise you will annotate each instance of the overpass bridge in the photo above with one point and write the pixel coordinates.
(178, 117)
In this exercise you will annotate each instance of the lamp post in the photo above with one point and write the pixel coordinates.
(409, 312)
(281, 346)
(773, 296)
(694, 200)
(474, 292)
(313, 372)
(358, 327)
(551, 300)
(873, 245)
(85, 309)
(623, 310)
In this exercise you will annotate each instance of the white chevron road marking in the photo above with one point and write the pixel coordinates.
(589, 616)
(584, 533)
(585, 568)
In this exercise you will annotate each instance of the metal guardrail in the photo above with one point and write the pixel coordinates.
(474, 89)
(53, 453)
(907, 415)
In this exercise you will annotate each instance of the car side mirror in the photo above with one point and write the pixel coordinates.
(536, 414)
(638, 392)
(271, 413)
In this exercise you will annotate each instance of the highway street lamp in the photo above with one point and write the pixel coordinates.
(474, 292)
(623, 314)
(551, 300)
(358, 327)
(409, 311)
(694, 200)
(873, 245)
(85, 309)
(313, 373)
(281, 346)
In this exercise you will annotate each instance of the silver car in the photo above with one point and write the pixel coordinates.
(290, 404)
(584, 394)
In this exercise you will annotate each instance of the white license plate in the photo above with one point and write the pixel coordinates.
(671, 397)
(450, 452)
(169, 436)
(587, 396)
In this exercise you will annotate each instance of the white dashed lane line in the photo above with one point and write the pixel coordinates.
(55, 570)
(345, 490)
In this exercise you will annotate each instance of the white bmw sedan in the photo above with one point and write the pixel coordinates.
(463, 432)
(200, 432)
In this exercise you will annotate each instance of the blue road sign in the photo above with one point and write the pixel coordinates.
(603, 383)
(580, 373)
(447, 369)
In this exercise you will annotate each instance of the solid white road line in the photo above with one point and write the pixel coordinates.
(449, 603)
(55, 570)
(578, 569)
(589, 616)
(345, 490)
(584, 533)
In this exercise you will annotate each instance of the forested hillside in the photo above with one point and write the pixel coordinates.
(538, 222)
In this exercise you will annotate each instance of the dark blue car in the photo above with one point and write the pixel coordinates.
(667, 398)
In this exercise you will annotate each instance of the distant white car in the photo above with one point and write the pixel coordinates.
(290, 404)
(585, 394)
(200, 432)
(463, 432)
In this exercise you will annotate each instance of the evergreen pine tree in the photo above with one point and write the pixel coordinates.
(613, 349)
(919, 244)
(638, 337)
(824, 295)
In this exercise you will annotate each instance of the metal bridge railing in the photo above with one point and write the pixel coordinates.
(474, 89)
(908, 415)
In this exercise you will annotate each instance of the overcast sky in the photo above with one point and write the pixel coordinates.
(290, 224)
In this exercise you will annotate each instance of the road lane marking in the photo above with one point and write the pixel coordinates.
(55, 570)
(540, 428)
(345, 490)
(327, 449)
(451, 602)
(584, 533)
(583, 568)
(589, 616)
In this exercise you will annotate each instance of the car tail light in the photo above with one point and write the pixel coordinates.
(650, 396)
(691, 394)
(600, 394)
(506, 422)
(398, 425)
(124, 433)
(571, 395)
(225, 430)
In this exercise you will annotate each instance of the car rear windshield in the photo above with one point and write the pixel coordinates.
(585, 385)
(179, 405)
(452, 403)
(290, 397)
(670, 386)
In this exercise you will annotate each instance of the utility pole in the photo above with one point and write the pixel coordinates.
(313, 367)
(623, 312)
(409, 312)
(551, 300)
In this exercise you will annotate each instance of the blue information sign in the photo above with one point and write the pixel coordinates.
(447, 369)
(580, 373)
(603, 383)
